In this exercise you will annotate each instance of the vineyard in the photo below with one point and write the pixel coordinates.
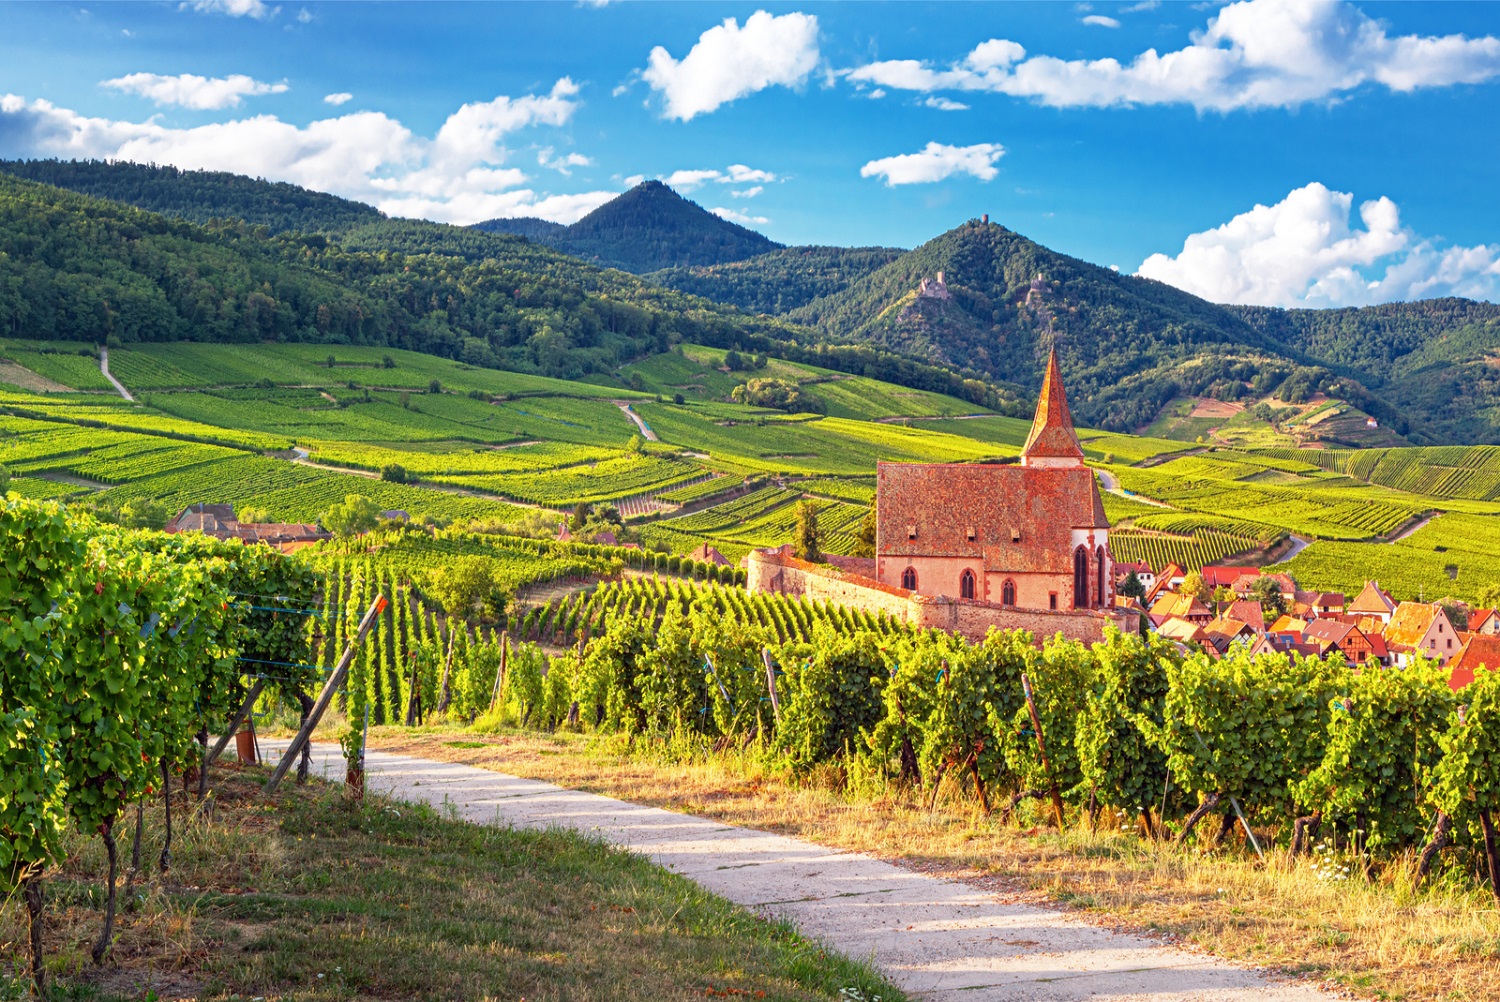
(1190, 551)
(1440, 471)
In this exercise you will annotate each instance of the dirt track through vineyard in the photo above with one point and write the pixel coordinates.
(938, 939)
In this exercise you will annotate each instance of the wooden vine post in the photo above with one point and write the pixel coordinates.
(235, 723)
(765, 655)
(500, 674)
(335, 681)
(445, 694)
(1041, 747)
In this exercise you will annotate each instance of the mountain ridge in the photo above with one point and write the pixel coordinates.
(645, 229)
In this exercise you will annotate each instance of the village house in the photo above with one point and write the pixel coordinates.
(1481, 650)
(1420, 629)
(219, 521)
(968, 546)
(1331, 636)
(1371, 601)
(707, 554)
(1484, 621)
(1172, 605)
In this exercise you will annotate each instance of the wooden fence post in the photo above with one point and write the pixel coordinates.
(340, 672)
(765, 655)
(1041, 747)
(446, 694)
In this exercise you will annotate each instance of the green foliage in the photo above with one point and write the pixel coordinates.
(830, 694)
(1383, 744)
(1467, 779)
(356, 516)
(777, 281)
(1118, 763)
(807, 538)
(1249, 728)
(395, 473)
(777, 393)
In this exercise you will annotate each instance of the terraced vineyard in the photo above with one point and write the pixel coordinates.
(1439, 471)
(607, 480)
(581, 615)
(1190, 552)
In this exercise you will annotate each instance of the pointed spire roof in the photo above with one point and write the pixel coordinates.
(1052, 435)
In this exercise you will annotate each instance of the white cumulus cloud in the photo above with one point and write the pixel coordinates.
(936, 162)
(459, 175)
(233, 8)
(1306, 250)
(189, 90)
(750, 192)
(563, 164)
(1251, 54)
(342, 97)
(729, 62)
(735, 216)
(692, 179)
(945, 104)
(1100, 21)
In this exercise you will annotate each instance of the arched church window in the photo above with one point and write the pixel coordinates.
(966, 584)
(909, 579)
(1008, 593)
(1099, 590)
(1081, 578)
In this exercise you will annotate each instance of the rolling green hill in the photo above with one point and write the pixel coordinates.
(647, 228)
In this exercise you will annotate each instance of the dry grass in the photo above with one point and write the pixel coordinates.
(306, 896)
(1374, 936)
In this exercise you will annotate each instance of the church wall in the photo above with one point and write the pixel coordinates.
(776, 571)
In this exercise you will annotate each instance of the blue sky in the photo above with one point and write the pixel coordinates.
(1267, 151)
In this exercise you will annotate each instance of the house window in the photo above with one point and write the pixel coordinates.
(909, 579)
(1015, 535)
(911, 532)
(1052, 600)
(1081, 578)
(966, 584)
(1008, 594)
(970, 533)
(1450, 643)
(1440, 627)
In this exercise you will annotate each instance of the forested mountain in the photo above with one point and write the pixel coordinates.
(781, 280)
(306, 266)
(77, 268)
(648, 228)
(200, 195)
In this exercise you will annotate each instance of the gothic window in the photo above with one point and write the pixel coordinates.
(966, 584)
(1099, 591)
(1081, 578)
(1008, 594)
(909, 579)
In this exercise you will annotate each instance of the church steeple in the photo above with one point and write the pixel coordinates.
(1052, 441)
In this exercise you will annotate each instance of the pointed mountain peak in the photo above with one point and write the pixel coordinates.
(1052, 436)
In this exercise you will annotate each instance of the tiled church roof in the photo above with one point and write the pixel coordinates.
(1022, 517)
(1052, 435)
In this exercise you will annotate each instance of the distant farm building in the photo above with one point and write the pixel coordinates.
(219, 521)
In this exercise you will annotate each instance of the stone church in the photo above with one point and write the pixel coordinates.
(971, 546)
(1032, 535)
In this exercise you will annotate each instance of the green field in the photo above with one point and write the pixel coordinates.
(219, 423)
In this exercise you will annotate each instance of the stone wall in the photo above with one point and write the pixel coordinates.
(777, 571)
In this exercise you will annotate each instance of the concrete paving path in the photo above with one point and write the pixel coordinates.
(937, 939)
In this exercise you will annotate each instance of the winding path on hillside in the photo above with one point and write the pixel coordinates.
(938, 939)
(104, 368)
(1112, 485)
(629, 412)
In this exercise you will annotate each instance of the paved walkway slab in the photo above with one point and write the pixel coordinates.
(937, 939)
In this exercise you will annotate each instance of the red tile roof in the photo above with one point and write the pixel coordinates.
(1477, 618)
(1216, 577)
(1410, 623)
(1052, 435)
(1247, 611)
(1022, 516)
(1479, 651)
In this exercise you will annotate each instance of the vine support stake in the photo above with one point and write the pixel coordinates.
(235, 723)
(444, 693)
(335, 680)
(765, 655)
(1041, 747)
